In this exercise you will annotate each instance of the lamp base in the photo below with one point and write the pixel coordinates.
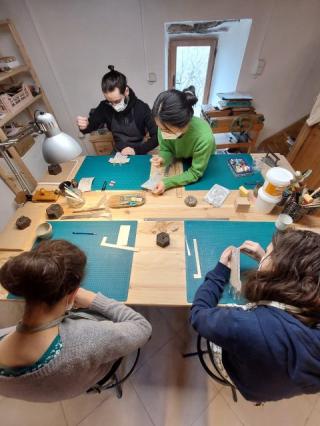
(54, 169)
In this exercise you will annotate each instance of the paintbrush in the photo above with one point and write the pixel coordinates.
(315, 192)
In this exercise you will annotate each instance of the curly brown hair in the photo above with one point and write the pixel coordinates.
(294, 276)
(47, 273)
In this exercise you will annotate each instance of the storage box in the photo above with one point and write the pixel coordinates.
(10, 103)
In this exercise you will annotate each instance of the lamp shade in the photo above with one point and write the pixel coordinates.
(57, 147)
(60, 148)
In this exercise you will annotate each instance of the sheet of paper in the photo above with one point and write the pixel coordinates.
(152, 182)
(235, 280)
(123, 235)
(119, 159)
(216, 195)
(85, 184)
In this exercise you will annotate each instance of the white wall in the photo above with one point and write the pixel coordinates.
(230, 52)
(71, 42)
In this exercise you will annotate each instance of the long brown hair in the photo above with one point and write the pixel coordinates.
(294, 275)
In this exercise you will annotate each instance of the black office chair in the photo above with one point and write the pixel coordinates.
(111, 380)
(218, 378)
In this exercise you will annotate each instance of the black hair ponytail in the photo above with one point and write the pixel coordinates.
(175, 107)
(113, 80)
(190, 93)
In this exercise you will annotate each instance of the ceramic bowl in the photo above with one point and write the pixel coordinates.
(44, 231)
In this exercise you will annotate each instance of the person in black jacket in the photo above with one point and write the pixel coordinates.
(127, 117)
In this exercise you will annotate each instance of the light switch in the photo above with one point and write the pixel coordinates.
(258, 67)
(152, 77)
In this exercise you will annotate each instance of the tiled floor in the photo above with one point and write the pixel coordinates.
(166, 390)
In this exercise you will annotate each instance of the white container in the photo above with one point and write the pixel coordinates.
(277, 180)
(44, 230)
(264, 202)
(283, 221)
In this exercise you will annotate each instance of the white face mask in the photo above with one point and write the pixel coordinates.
(120, 106)
(167, 135)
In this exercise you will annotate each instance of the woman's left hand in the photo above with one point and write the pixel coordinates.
(226, 255)
(159, 188)
(128, 151)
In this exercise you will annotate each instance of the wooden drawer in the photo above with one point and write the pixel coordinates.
(102, 148)
(102, 144)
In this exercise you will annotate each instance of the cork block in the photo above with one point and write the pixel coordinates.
(242, 204)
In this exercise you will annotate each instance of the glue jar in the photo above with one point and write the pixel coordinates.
(277, 180)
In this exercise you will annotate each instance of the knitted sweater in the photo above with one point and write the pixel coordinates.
(197, 143)
(89, 349)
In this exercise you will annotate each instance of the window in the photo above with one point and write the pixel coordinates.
(191, 62)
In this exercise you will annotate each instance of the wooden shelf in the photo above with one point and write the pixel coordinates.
(8, 117)
(15, 71)
(23, 71)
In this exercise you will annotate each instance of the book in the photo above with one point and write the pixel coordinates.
(237, 104)
(235, 96)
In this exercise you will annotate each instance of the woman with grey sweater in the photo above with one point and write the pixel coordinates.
(52, 355)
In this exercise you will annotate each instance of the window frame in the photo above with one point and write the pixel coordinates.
(174, 42)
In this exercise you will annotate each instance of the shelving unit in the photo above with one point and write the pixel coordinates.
(25, 68)
(11, 116)
(15, 71)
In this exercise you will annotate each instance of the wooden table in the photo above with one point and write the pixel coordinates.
(158, 275)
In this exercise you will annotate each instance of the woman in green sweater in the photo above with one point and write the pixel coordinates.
(181, 136)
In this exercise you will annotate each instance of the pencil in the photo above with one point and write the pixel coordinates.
(84, 233)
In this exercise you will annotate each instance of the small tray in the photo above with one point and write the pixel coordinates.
(240, 167)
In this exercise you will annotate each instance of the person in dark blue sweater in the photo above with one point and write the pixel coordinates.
(271, 351)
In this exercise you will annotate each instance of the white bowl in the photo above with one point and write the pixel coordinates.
(44, 230)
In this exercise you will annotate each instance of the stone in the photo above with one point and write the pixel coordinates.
(54, 169)
(163, 239)
(23, 222)
(54, 211)
(190, 201)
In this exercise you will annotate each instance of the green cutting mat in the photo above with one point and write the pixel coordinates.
(108, 270)
(128, 176)
(218, 171)
(212, 238)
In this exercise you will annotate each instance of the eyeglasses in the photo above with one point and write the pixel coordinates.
(118, 101)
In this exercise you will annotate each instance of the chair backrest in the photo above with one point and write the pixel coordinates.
(220, 379)
(105, 384)
(204, 364)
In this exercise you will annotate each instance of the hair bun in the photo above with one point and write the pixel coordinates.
(111, 67)
(190, 93)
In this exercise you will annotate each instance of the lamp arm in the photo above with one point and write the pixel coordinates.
(19, 176)
(26, 131)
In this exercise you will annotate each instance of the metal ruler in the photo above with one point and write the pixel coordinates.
(177, 219)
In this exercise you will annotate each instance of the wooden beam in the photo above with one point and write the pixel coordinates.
(302, 136)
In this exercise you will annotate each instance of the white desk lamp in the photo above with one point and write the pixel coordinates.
(57, 147)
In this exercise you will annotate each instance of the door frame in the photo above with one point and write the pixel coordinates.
(174, 42)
